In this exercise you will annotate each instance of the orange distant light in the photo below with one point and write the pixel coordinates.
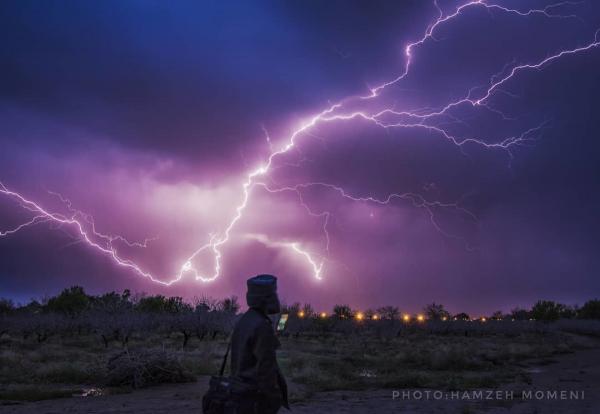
(301, 314)
(420, 318)
(406, 317)
(375, 317)
(445, 318)
(483, 319)
(323, 315)
(360, 316)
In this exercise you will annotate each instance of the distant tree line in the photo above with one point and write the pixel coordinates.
(74, 301)
(116, 317)
(542, 310)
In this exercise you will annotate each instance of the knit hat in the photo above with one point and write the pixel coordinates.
(262, 293)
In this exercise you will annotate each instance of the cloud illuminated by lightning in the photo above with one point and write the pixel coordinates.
(427, 119)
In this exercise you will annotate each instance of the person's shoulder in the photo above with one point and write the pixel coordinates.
(258, 319)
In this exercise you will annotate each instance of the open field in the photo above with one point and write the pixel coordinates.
(353, 368)
(116, 353)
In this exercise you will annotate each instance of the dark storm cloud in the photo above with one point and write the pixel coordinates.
(197, 79)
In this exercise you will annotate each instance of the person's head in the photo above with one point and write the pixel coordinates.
(262, 294)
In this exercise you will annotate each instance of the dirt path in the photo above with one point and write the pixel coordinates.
(579, 371)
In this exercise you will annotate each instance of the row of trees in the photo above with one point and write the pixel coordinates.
(74, 301)
(116, 317)
(543, 310)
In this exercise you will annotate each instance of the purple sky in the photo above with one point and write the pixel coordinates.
(462, 170)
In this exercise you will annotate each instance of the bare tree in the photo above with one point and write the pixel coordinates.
(230, 304)
(342, 311)
(389, 312)
(435, 311)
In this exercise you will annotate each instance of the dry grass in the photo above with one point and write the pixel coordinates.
(61, 366)
(418, 360)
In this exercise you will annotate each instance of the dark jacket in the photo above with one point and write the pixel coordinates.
(253, 356)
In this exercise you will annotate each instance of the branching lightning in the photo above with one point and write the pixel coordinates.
(388, 118)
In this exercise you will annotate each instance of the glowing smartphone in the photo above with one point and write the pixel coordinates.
(282, 321)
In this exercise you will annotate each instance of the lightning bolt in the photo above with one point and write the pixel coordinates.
(34, 220)
(428, 119)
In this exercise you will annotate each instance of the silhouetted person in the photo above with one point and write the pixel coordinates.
(253, 350)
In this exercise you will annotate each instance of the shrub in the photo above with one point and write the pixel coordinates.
(547, 310)
(145, 368)
(590, 310)
(71, 301)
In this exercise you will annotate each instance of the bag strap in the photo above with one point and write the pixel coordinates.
(225, 359)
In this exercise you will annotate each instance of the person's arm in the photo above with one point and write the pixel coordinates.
(265, 353)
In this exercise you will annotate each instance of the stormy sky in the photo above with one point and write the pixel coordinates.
(143, 119)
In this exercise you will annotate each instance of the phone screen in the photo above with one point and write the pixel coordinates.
(282, 321)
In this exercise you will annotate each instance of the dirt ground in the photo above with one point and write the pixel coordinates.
(579, 371)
